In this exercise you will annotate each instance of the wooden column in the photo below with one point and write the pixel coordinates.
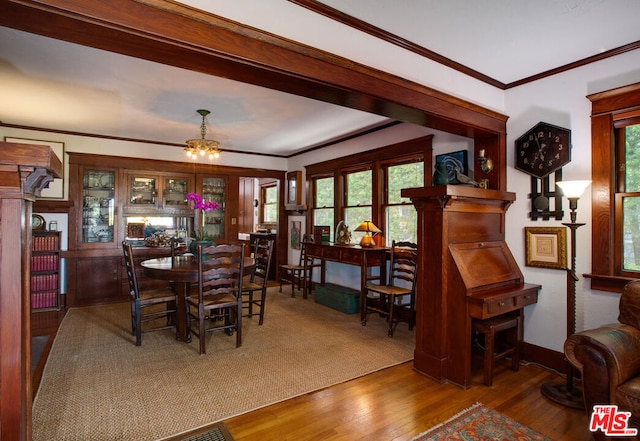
(24, 171)
(450, 215)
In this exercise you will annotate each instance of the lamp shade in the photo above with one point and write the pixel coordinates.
(573, 189)
(369, 227)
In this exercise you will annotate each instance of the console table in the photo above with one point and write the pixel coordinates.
(351, 255)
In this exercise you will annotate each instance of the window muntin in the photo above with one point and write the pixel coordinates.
(358, 191)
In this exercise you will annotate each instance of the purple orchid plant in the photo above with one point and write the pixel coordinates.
(199, 204)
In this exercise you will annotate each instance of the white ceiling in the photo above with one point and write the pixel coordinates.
(47, 83)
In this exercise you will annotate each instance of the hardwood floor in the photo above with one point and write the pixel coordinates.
(394, 404)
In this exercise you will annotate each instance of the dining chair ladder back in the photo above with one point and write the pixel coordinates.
(257, 281)
(396, 299)
(219, 298)
(159, 303)
(296, 275)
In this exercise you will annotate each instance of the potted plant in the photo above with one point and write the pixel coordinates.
(200, 235)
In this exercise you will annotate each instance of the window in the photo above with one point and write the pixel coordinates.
(323, 200)
(401, 218)
(358, 203)
(270, 204)
(368, 185)
(615, 169)
(627, 207)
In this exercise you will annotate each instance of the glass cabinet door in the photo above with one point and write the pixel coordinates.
(142, 191)
(213, 189)
(98, 206)
(175, 192)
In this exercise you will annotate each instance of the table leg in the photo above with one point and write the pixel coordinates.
(181, 311)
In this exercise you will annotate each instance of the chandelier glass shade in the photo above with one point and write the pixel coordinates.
(202, 147)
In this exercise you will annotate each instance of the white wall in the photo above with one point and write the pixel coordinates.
(561, 100)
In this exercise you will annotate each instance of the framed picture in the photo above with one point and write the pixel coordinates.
(546, 247)
(295, 234)
(453, 160)
(135, 230)
(55, 190)
(294, 188)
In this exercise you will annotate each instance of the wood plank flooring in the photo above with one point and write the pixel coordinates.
(395, 404)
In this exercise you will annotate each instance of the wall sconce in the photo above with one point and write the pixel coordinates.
(367, 240)
(486, 164)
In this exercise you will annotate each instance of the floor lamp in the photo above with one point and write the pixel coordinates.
(567, 394)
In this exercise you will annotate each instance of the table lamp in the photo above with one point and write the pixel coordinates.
(368, 227)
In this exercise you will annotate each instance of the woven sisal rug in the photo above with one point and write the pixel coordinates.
(97, 385)
(480, 423)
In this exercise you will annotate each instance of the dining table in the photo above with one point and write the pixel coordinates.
(181, 269)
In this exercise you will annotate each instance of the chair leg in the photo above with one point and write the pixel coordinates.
(489, 341)
(263, 297)
(202, 329)
(390, 302)
(238, 322)
(250, 314)
(138, 320)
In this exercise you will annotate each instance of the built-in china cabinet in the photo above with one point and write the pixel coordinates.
(116, 199)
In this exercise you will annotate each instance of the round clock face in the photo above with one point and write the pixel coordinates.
(543, 149)
(37, 222)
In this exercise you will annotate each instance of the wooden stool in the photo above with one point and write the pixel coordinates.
(490, 327)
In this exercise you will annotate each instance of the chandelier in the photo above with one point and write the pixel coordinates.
(202, 147)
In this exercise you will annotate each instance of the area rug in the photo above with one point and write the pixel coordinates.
(97, 385)
(480, 423)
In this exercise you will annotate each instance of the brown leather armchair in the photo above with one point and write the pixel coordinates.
(609, 359)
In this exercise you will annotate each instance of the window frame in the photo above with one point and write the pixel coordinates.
(608, 109)
(374, 159)
(263, 202)
(384, 203)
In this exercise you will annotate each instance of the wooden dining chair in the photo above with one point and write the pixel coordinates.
(257, 281)
(396, 299)
(220, 270)
(295, 274)
(160, 303)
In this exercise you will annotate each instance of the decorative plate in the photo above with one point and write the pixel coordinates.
(37, 222)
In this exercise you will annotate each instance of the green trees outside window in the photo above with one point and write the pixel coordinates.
(629, 193)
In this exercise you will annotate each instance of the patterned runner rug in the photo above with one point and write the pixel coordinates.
(97, 385)
(480, 423)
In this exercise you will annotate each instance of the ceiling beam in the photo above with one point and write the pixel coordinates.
(177, 35)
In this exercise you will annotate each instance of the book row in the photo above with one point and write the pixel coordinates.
(46, 299)
(44, 282)
(46, 262)
(45, 243)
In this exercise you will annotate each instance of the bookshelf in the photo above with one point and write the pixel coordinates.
(45, 271)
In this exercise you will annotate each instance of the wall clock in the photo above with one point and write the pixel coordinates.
(542, 152)
(543, 149)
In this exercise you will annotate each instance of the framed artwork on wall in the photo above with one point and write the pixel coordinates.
(55, 190)
(452, 160)
(546, 247)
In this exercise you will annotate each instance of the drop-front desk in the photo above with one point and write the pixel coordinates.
(366, 258)
(465, 272)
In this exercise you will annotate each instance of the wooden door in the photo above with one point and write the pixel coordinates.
(245, 213)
